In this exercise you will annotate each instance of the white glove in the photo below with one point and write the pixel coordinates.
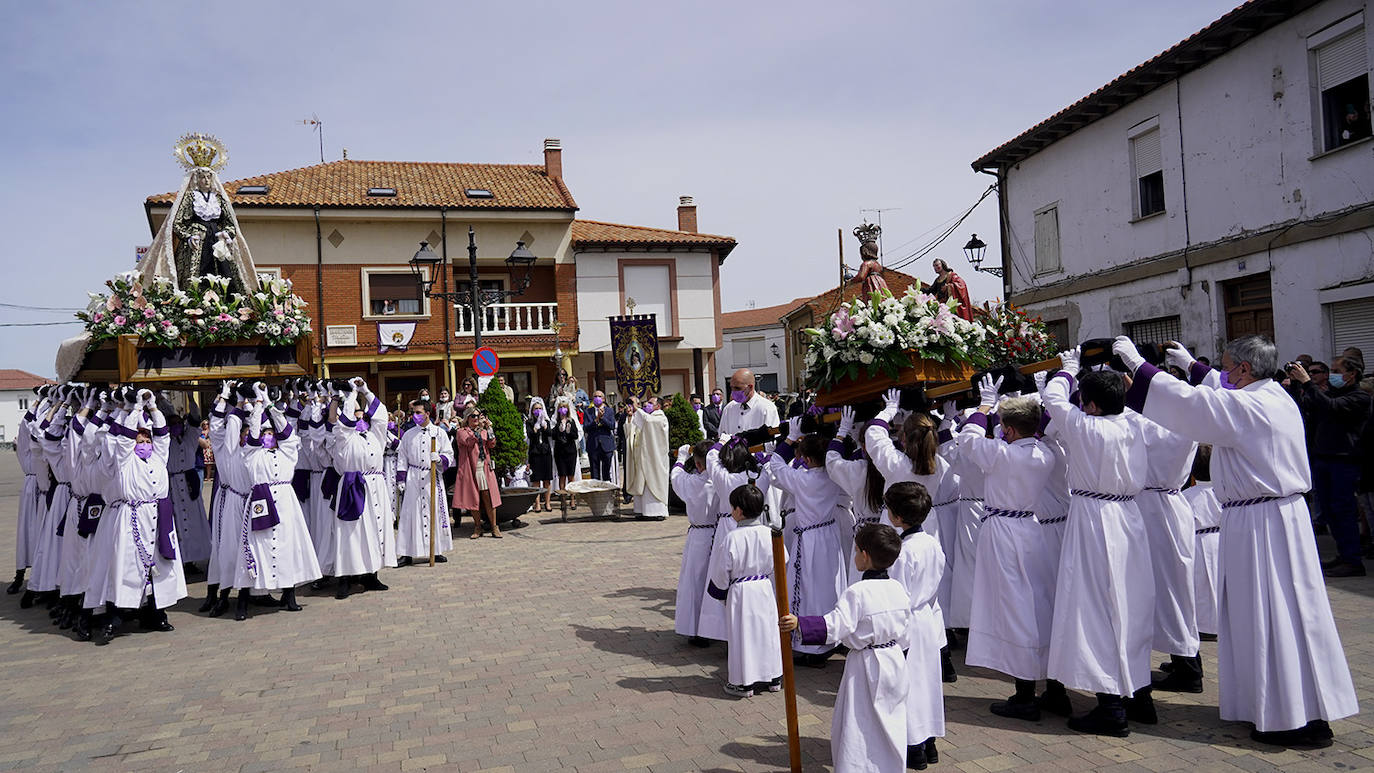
(260, 391)
(794, 429)
(1179, 357)
(1040, 379)
(225, 390)
(949, 409)
(846, 422)
(725, 438)
(145, 398)
(1124, 348)
(1069, 361)
(987, 391)
(359, 384)
(683, 452)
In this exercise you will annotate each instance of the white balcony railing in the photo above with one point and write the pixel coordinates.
(508, 319)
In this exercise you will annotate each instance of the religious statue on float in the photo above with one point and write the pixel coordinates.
(201, 233)
(871, 271)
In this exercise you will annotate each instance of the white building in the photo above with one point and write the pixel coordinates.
(1224, 187)
(756, 339)
(16, 397)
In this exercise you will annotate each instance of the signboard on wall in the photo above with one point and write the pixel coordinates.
(341, 335)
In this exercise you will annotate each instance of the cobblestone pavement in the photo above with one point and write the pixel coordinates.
(551, 649)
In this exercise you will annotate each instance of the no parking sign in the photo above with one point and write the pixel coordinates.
(486, 362)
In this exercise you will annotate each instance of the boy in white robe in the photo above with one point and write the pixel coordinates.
(1202, 499)
(1104, 596)
(919, 569)
(1280, 663)
(28, 497)
(862, 484)
(729, 465)
(413, 462)
(741, 575)
(184, 487)
(694, 488)
(364, 538)
(873, 619)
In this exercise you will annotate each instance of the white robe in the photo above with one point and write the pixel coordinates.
(25, 525)
(851, 475)
(319, 514)
(1013, 599)
(1202, 499)
(868, 729)
(695, 491)
(193, 528)
(1052, 507)
(47, 556)
(919, 568)
(1280, 663)
(758, 412)
(1104, 598)
(280, 556)
(711, 623)
(968, 520)
(365, 545)
(815, 574)
(413, 460)
(90, 476)
(231, 495)
(742, 566)
(646, 462)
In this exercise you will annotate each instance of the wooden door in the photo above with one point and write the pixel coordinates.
(1249, 307)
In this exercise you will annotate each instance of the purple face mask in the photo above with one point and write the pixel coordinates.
(143, 450)
(269, 441)
(739, 396)
(420, 418)
(715, 399)
(649, 408)
(362, 425)
(597, 400)
(562, 411)
(537, 412)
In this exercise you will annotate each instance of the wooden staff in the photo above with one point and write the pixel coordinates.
(789, 684)
(433, 480)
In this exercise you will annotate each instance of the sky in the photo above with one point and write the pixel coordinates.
(783, 120)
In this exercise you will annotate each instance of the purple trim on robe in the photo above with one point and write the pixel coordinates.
(97, 421)
(263, 493)
(85, 522)
(1067, 376)
(166, 522)
(160, 431)
(402, 475)
(717, 447)
(347, 422)
(444, 462)
(837, 446)
(1140, 386)
(373, 406)
(300, 481)
(293, 413)
(177, 430)
(812, 629)
(283, 433)
(239, 412)
(716, 592)
(978, 418)
(44, 424)
(784, 451)
(28, 416)
(1044, 421)
(944, 436)
(79, 426)
(119, 430)
(679, 466)
(254, 441)
(880, 423)
(192, 479)
(218, 413)
(329, 483)
(352, 496)
(1197, 372)
(52, 438)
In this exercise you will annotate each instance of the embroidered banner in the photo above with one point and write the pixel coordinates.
(394, 336)
(634, 346)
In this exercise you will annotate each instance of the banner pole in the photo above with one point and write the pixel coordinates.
(789, 685)
(433, 484)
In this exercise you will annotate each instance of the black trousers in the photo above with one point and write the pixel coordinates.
(601, 463)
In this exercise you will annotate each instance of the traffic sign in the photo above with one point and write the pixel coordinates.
(486, 362)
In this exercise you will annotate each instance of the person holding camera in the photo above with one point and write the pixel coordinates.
(475, 489)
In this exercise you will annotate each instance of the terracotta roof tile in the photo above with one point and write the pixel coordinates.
(825, 303)
(417, 184)
(11, 379)
(594, 232)
(768, 315)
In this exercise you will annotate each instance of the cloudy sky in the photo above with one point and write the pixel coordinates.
(784, 120)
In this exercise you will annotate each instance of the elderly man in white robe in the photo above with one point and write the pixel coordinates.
(1104, 596)
(1279, 659)
(646, 461)
(423, 446)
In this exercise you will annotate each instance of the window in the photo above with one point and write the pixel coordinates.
(391, 292)
(267, 274)
(23, 403)
(1059, 331)
(1340, 70)
(1352, 324)
(252, 190)
(651, 288)
(1147, 167)
(382, 192)
(1155, 331)
(1047, 240)
(749, 353)
(766, 382)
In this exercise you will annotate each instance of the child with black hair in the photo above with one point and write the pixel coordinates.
(694, 488)
(741, 575)
(919, 569)
(868, 730)
(729, 465)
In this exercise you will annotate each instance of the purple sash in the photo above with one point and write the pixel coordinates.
(89, 516)
(300, 481)
(262, 507)
(352, 496)
(193, 484)
(329, 484)
(166, 521)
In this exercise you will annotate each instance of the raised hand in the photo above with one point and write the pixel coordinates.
(1175, 354)
(1069, 361)
(1124, 348)
(987, 391)
(846, 422)
(891, 399)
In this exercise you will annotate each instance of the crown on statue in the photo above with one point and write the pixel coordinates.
(868, 232)
(201, 151)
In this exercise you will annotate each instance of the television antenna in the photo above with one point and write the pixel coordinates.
(318, 127)
(879, 211)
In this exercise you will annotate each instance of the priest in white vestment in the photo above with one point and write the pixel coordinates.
(646, 461)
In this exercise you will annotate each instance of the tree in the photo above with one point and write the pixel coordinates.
(682, 424)
(511, 450)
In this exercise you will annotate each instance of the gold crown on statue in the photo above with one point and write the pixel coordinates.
(868, 232)
(201, 151)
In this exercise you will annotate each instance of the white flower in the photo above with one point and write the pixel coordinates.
(865, 358)
(274, 329)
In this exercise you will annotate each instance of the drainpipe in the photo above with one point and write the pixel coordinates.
(1001, 175)
(319, 292)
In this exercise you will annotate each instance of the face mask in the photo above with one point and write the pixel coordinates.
(362, 426)
(739, 396)
(715, 399)
(597, 400)
(1226, 380)
(649, 408)
(562, 411)
(269, 441)
(143, 450)
(537, 412)
(696, 406)
(420, 419)
(1336, 380)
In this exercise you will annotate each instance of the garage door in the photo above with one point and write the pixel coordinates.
(1352, 324)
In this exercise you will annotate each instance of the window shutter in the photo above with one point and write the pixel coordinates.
(1146, 149)
(1352, 324)
(1341, 59)
(1047, 240)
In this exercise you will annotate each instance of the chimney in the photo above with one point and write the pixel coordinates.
(553, 158)
(686, 214)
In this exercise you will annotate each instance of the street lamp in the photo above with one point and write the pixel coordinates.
(975, 250)
(425, 257)
(773, 347)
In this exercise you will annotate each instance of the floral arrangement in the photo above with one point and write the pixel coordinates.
(1015, 337)
(205, 312)
(878, 336)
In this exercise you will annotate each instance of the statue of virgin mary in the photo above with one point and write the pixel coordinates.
(201, 234)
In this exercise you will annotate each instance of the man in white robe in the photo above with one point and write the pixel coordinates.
(364, 541)
(646, 461)
(1279, 659)
(413, 461)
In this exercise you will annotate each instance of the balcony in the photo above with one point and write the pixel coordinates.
(508, 319)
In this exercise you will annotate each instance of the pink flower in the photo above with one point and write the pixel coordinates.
(214, 328)
(149, 312)
(112, 303)
(166, 323)
(99, 315)
(223, 317)
(843, 324)
(120, 320)
(278, 313)
(245, 313)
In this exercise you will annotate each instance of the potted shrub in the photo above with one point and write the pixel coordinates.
(511, 450)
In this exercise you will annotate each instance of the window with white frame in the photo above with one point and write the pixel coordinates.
(393, 292)
(1047, 240)
(1147, 168)
(1340, 75)
(651, 288)
(749, 353)
(267, 274)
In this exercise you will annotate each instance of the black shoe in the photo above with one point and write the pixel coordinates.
(1055, 702)
(191, 570)
(288, 600)
(947, 673)
(221, 606)
(1100, 722)
(809, 660)
(404, 561)
(104, 633)
(932, 755)
(1141, 708)
(82, 628)
(370, 582)
(1177, 681)
(1345, 569)
(916, 757)
(1011, 708)
(322, 583)
(241, 609)
(341, 588)
(697, 641)
(208, 604)
(161, 625)
(264, 601)
(26, 601)
(440, 558)
(1301, 738)
(18, 583)
(1207, 636)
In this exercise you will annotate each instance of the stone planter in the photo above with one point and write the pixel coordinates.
(515, 502)
(599, 495)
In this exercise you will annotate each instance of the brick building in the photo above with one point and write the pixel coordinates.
(344, 231)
